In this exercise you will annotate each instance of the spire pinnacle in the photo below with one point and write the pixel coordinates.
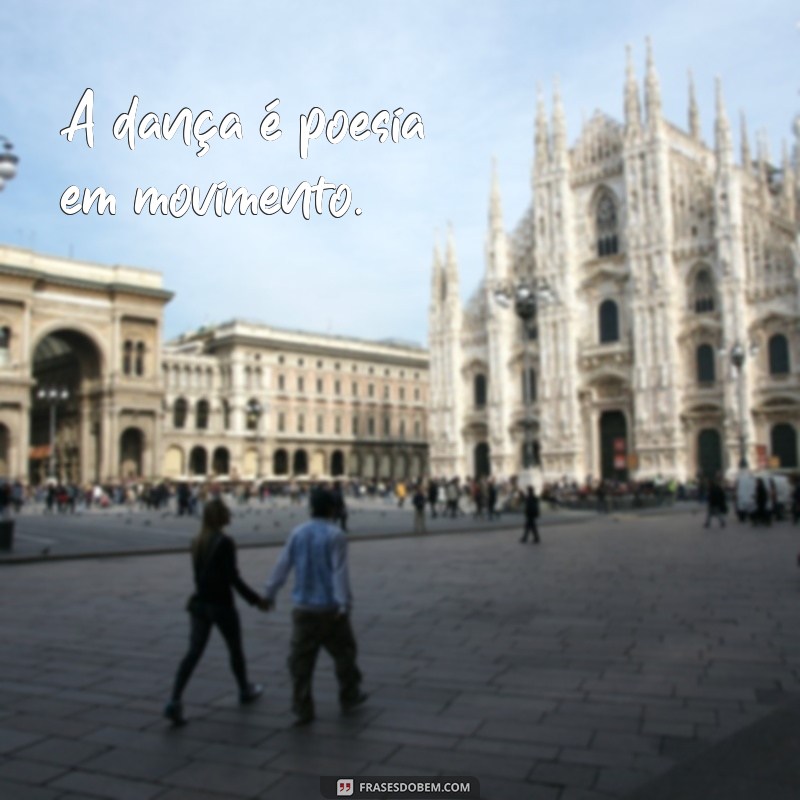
(694, 112)
(724, 145)
(542, 135)
(652, 89)
(633, 110)
(746, 158)
(495, 203)
(559, 122)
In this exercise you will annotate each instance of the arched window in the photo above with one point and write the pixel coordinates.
(607, 225)
(609, 322)
(139, 368)
(480, 391)
(705, 364)
(179, 412)
(201, 415)
(280, 462)
(703, 292)
(127, 357)
(300, 463)
(529, 386)
(784, 445)
(778, 355)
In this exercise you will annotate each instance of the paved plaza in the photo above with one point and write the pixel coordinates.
(134, 530)
(583, 668)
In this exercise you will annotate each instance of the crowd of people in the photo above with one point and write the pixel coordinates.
(482, 498)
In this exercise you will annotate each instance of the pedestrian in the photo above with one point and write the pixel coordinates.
(317, 551)
(717, 503)
(763, 513)
(491, 500)
(215, 575)
(433, 496)
(418, 500)
(531, 513)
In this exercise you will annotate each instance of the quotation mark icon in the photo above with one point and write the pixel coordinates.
(344, 787)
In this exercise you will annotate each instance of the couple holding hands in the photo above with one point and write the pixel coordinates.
(317, 551)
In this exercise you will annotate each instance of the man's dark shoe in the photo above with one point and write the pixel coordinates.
(173, 711)
(254, 691)
(355, 702)
(302, 720)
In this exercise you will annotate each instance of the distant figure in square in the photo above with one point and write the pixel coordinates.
(317, 551)
(717, 503)
(531, 513)
(418, 501)
(215, 574)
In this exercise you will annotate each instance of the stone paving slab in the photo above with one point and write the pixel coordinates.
(583, 668)
(123, 531)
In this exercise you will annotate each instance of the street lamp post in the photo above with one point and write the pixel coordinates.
(254, 412)
(526, 298)
(8, 162)
(738, 355)
(53, 396)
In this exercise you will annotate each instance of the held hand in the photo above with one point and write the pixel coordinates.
(264, 604)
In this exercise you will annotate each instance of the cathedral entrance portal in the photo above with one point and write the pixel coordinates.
(482, 463)
(709, 453)
(65, 409)
(613, 446)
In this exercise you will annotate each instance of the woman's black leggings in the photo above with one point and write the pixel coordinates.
(226, 618)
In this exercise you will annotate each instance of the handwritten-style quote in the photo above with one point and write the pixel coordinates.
(199, 130)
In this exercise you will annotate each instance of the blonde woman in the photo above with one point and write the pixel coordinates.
(215, 576)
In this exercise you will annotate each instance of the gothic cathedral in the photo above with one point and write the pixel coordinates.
(669, 344)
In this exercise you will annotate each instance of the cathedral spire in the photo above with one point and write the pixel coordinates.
(451, 263)
(746, 158)
(495, 203)
(652, 91)
(694, 113)
(559, 125)
(788, 179)
(633, 109)
(438, 287)
(723, 143)
(542, 135)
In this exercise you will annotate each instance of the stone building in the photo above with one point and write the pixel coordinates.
(666, 258)
(89, 392)
(246, 400)
(87, 337)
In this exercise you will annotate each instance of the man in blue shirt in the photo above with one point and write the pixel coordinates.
(317, 550)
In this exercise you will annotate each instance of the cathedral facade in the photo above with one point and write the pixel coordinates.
(668, 341)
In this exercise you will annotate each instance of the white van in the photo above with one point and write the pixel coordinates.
(745, 493)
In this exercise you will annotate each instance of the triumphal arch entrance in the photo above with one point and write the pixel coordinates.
(80, 394)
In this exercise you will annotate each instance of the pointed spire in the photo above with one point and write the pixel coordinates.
(542, 136)
(495, 203)
(633, 109)
(694, 112)
(788, 177)
(559, 124)
(652, 90)
(723, 143)
(438, 288)
(451, 262)
(746, 157)
(763, 148)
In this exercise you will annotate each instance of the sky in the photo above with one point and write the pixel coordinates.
(469, 69)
